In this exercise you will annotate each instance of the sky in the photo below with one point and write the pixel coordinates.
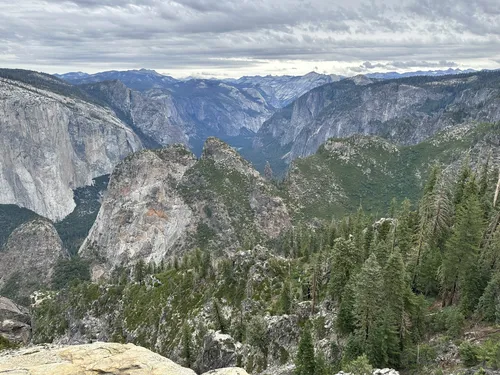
(230, 38)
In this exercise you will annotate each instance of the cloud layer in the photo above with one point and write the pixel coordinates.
(237, 37)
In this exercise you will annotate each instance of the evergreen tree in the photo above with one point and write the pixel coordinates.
(358, 227)
(321, 366)
(257, 335)
(368, 302)
(368, 239)
(404, 230)
(139, 271)
(187, 351)
(218, 317)
(346, 322)
(285, 303)
(395, 289)
(435, 213)
(489, 303)
(459, 271)
(345, 259)
(484, 177)
(305, 363)
(464, 176)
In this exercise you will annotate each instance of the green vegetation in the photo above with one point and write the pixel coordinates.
(6, 344)
(367, 171)
(73, 229)
(305, 362)
(12, 216)
(372, 290)
(68, 271)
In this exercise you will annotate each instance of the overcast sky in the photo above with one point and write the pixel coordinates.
(230, 38)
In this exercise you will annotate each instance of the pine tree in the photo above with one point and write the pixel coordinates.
(489, 303)
(305, 363)
(358, 226)
(345, 259)
(404, 230)
(285, 303)
(369, 234)
(484, 177)
(395, 289)
(187, 353)
(368, 294)
(140, 271)
(368, 302)
(219, 320)
(435, 213)
(459, 271)
(464, 176)
(346, 321)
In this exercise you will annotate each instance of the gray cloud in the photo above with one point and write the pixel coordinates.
(228, 37)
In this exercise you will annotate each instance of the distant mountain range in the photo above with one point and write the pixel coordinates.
(107, 115)
(432, 73)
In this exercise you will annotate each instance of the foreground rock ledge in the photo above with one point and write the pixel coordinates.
(93, 359)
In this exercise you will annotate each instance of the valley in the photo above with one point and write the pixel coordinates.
(271, 224)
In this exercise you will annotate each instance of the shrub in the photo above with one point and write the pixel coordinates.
(469, 354)
(360, 366)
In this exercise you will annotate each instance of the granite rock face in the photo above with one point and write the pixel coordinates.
(185, 112)
(51, 143)
(91, 359)
(227, 371)
(29, 257)
(14, 322)
(143, 216)
(162, 202)
(405, 111)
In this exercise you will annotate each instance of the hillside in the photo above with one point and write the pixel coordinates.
(404, 111)
(345, 174)
(161, 203)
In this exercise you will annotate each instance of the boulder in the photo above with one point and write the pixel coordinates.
(14, 322)
(219, 351)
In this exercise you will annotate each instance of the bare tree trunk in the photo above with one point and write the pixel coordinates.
(313, 306)
(496, 191)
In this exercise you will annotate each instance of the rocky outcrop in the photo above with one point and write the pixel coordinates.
(219, 350)
(28, 259)
(227, 371)
(90, 359)
(14, 322)
(52, 142)
(143, 215)
(384, 371)
(163, 202)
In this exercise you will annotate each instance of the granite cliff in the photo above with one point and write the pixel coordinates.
(163, 202)
(53, 139)
(405, 111)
